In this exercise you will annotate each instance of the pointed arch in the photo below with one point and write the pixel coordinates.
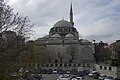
(87, 54)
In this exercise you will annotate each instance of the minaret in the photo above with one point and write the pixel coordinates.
(71, 15)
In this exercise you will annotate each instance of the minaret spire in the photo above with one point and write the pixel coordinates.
(71, 15)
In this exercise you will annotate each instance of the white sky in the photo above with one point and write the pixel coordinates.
(94, 19)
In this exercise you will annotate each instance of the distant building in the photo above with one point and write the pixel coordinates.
(64, 46)
(115, 49)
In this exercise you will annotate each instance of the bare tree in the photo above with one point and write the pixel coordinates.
(10, 49)
(50, 55)
(71, 50)
(60, 55)
(13, 21)
(40, 53)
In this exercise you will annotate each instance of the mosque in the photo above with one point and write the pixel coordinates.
(63, 45)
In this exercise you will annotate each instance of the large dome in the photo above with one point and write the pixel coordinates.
(63, 23)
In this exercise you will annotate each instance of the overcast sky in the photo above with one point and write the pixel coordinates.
(94, 19)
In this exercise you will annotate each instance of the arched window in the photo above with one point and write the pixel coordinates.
(69, 65)
(74, 65)
(47, 65)
(70, 61)
(56, 65)
(62, 29)
(57, 29)
(60, 65)
(79, 65)
(65, 65)
(51, 65)
(56, 61)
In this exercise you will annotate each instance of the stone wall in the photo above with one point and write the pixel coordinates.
(108, 70)
(64, 66)
(80, 52)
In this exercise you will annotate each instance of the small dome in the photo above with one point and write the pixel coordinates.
(85, 41)
(63, 23)
(56, 35)
(69, 36)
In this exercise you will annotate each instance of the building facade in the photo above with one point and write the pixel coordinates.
(63, 45)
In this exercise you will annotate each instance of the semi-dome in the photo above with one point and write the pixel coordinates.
(69, 36)
(46, 36)
(56, 35)
(63, 23)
